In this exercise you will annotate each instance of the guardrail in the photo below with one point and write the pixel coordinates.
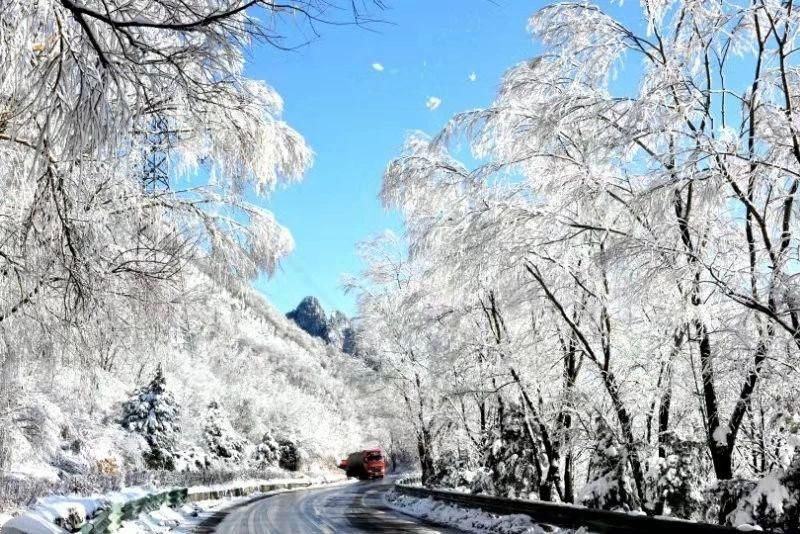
(562, 515)
(111, 518)
(243, 491)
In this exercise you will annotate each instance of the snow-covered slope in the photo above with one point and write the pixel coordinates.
(216, 344)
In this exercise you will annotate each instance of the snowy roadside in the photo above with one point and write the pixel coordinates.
(63, 513)
(469, 520)
(186, 518)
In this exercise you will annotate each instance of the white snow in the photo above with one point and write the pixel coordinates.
(166, 519)
(468, 520)
(42, 518)
(47, 510)
(770, 496)
(721, 434)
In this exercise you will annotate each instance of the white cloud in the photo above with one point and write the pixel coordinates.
(378, 67)
(472, 76)
(433, 103)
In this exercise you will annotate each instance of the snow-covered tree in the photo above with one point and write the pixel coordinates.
(223, 442)
(624, 249)
(609, 486)
(267, 452)
(290, 456)
(153, 413)
(512, 457)
(678, 478)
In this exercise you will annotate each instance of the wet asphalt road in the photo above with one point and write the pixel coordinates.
(349, 508)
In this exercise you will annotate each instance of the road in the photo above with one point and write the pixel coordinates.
(348, 508)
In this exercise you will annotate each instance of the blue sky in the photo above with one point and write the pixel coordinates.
(355, 118)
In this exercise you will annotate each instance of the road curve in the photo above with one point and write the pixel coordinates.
(348, 508)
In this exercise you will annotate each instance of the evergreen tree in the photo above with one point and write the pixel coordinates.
(222, 440)
(609, 487)
(452, 470)
(289, 454)
(510, 460)
(773, 502)
(677, 478)
(153, 413)
(268, 452)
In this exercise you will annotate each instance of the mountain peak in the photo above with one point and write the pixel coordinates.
(336, 330)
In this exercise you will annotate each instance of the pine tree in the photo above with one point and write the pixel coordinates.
(268, 452)
(773, 502)
(289, 454)
(678, 479)
(153, 413)
(223, 441)
(609, 487)
(510, 460)
(452, 470)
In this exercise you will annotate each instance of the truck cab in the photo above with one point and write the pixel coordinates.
(365, 464)
(374, 463)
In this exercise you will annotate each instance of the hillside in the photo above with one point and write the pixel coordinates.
(230, 346)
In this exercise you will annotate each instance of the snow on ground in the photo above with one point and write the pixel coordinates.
(187, 517)
(468, 520)
(183, 519)
(48, 511)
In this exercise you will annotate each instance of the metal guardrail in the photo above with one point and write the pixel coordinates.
(243, 491)
(562, 515)
(111, 518)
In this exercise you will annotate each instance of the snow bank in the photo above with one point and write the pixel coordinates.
(468, 520)
(51, 513)
(189, 515)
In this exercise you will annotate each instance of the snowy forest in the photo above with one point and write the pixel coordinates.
(594, 299)
(133, 347)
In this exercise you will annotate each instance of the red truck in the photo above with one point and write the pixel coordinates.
(364, 464)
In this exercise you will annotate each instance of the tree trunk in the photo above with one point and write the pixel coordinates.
(425, 455)
(627, 433)
(569, 489)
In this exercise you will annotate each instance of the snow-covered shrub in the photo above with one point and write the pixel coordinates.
(153, 413)
(223, 442)
(451, 470)
(510, 460)
(290, 455)
(676, 481)
(247, 420)
(191, 460)
(73, 521)
(774, 502)
(108, 467)
(267, 452)
(609, 486)
(71, 463)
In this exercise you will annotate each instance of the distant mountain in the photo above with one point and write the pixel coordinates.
(336, 330)
(310, 316)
